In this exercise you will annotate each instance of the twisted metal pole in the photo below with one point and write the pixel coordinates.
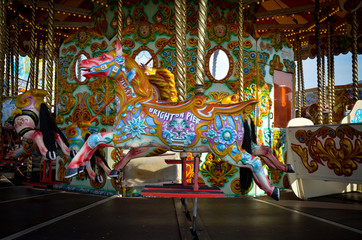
(354, 56)
(201, 43)
(180, 48)
(2, 53)
(119, 20)
(333, 95)
(323, 78)
(118, 151)
(318, 43)
(299, 106)
(241, 50)
(329, 72)
(50, 53)
(36, 74)
(303, 100)
(8, 59)
(44, 64)
(16, 53)
(32, 45)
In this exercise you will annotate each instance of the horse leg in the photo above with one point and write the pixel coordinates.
(62, 145)
(37, 136)
(254, 163)
(267, 156)
(85, 153)
(101, 164)
(92, 175)
(133, 153)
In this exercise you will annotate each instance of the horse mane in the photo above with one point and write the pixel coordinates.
(164, 80)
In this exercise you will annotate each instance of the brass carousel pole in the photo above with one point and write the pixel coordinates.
(55, 82)
(241, 50)
(329, 70)
(180, 18)
(201, 43)
(8, 59)
(32, 45)
(16, 53)
(119, 20)
(323, 78)
(50, 53)
(44, 64)
(2, 53)
(331, 93)
(118, 151)
(299, 107)
(303, 103)
(318, 43)
(354, 56)
(37, 54)
(31, 74)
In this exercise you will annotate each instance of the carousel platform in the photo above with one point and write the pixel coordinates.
(34, 213)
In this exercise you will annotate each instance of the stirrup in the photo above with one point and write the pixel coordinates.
(290, 168)
(115, 174)
(276, 194)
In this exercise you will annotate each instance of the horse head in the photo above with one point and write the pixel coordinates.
(107, 65)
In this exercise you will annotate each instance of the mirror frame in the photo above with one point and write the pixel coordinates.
(74, 64)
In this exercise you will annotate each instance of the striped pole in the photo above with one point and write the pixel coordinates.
(241, 50)
(180, 19)
(201, 43)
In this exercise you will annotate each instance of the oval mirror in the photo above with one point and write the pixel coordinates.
(218, 65)
(79, 72)
(143, 57)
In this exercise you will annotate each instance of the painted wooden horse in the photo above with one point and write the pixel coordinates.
(142, 123)
(29, 116)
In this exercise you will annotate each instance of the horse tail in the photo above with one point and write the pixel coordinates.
(164, 80)
(246, 174)
(247, 137)
(48, 128)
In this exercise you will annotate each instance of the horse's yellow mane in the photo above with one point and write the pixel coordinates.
(163, 79)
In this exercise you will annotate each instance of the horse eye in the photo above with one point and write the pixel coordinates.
(104, 57)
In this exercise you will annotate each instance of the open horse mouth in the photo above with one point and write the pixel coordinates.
(86, 69)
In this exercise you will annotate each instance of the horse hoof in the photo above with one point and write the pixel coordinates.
(71, 172)
(51, 155)
(114, 174)
(99, 179)
(276, 194)
(73, 153)
(290, 168)
(81, 169)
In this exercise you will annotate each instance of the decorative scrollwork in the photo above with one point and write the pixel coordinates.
(323, 149)
(217, 170)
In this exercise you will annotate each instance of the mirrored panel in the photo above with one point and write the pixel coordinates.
(219, 64)
(78, 71)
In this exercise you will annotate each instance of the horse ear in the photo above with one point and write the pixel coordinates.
(119, 51)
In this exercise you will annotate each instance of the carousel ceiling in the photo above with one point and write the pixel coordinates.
(293, 19)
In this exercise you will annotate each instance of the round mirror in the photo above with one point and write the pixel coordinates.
(220, 65)
(143, 57)
(79, 72)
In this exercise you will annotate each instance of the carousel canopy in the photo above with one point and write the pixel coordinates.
(292, 19)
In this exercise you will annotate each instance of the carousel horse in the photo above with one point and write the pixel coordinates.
(343, 104)
(142, 123)
(163, 84)
(29, 116)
